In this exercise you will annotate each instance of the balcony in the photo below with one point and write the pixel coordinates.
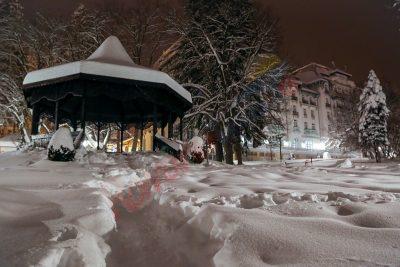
(296, 129)
(310, 133)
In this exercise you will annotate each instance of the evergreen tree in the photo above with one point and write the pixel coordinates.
(373, 118)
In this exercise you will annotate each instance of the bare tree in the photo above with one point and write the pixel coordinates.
(214, 58)
(14, 64)
(345, 132)
(83, 33)
(142, 31)
(12, 103)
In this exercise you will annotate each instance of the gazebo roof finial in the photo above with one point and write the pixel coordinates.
(113, 52)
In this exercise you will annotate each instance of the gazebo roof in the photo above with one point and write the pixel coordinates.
(110, 60)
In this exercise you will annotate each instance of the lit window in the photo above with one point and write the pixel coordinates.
(295, 143)
(309, 144)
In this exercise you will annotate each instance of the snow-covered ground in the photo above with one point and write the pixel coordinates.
(57, 214)
(168, 213)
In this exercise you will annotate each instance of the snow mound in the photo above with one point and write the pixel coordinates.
(196, 144)
(62, 137)
(347, 164)
(115, 180)
(61, 146)
(101, 158)
(196, 153)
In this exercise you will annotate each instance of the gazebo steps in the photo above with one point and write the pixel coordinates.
(172, 147)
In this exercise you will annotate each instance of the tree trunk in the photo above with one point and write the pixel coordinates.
(238, 152)
(229, 142)
(371, 155)
(26, 135)
(377, 155)
(44, 126)
(228, 152)
(106, 138)
(219, 151)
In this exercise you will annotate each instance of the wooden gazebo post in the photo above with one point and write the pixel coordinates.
(83, 113)
(121, 127)
(56, 111)
(155, 124)
(74, 123)
(170, 126)
(181, 127)
(141, 136)
(35, 119)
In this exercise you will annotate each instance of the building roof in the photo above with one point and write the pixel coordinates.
(109, 60)
(315, 72)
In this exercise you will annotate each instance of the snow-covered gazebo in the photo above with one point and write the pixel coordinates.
(108, 87)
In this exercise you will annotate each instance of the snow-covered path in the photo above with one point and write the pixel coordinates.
(173, 214)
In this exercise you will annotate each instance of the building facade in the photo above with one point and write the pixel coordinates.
(314, 105)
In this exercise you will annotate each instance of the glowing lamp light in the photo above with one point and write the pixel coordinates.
(319, 146)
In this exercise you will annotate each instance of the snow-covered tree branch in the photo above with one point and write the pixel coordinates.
(215, 57)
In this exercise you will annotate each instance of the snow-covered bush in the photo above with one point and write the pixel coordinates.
(196, 152)
(61, 146)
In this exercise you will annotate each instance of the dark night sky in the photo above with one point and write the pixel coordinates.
(355, 34)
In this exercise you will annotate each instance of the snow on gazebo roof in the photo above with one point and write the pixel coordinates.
(109, 60)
